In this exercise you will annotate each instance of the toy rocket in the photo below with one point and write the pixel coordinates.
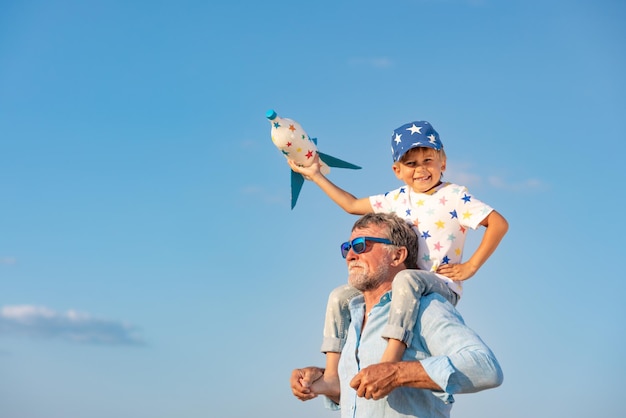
(295, 144)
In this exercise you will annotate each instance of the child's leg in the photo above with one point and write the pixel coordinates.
(407, 288)
(336, 324)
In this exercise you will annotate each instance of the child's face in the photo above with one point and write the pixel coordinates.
(420, 169)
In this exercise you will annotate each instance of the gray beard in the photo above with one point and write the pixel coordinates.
(368, 280)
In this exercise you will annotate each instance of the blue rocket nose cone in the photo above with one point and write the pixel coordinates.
(270, 114)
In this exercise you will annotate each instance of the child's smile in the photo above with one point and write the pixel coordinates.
(420, 169)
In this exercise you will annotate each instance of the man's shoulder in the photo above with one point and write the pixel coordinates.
(436, 297)
(434, 305)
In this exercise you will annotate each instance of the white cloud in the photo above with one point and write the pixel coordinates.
(8, 260)
(524, 185)
(42, 322)
(465, 177)
(375, 62)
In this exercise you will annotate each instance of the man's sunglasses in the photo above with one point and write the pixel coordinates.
(359, 245)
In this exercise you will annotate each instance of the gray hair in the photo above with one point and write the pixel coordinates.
(398, 231)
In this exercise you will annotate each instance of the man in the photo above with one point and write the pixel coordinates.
(444, 357)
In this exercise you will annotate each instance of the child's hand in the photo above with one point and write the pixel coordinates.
(457, 272)
(327, 385)
(310, 171)
(301, 381)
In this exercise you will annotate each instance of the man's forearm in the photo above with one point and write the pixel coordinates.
(378, 380)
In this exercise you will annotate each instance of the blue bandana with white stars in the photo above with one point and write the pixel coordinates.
(413, 135)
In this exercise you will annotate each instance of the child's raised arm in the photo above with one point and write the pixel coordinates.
(345, 200)
(496, 226)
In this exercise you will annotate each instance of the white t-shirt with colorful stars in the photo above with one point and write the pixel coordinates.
(439, 218)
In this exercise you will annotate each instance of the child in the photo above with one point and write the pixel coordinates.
(440, 214)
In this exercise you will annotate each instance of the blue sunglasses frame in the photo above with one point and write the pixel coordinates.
(359, 244)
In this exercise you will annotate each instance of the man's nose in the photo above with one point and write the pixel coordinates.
(351, 255)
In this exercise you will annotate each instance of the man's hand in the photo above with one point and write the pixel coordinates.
(376, 381)
(301, 381)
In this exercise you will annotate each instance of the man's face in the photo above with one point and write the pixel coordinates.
(371, 267)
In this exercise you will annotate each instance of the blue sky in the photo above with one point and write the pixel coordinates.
(150, 265)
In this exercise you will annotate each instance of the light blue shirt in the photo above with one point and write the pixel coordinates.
(452, 354)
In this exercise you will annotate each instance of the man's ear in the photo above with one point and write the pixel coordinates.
(399, 255)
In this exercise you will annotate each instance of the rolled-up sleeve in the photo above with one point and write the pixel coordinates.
(330, 404)
(461, 362)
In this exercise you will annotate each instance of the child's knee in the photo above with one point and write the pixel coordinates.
(408, 282)
(341, 295)
(403, 280)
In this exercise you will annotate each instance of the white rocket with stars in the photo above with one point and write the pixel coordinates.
(297, 146)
